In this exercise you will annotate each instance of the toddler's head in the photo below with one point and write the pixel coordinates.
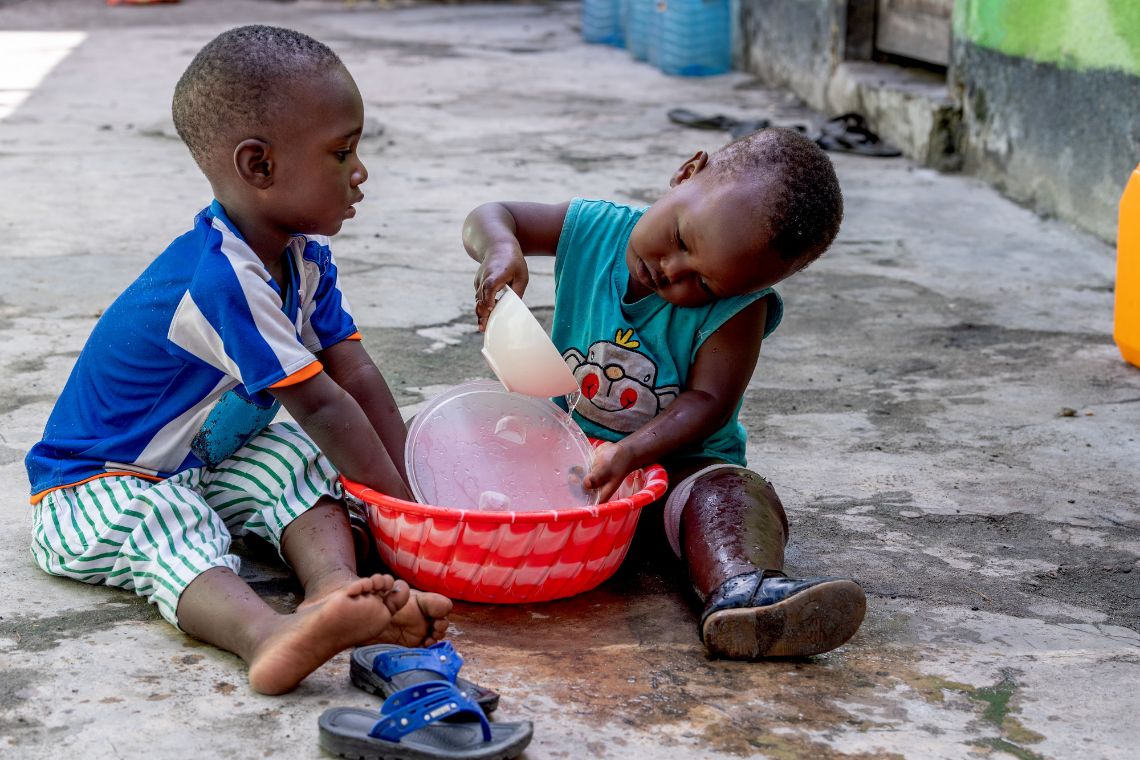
(754, 212)
(273, 118)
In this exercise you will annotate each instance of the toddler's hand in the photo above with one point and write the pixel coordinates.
(505, 266)
(611, 465)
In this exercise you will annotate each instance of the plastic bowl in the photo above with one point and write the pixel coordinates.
(480, 440)
(508, 557)
(520, 352)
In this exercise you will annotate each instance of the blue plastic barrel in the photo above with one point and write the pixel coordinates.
(638, 22)
(694, 37)
(602, 22)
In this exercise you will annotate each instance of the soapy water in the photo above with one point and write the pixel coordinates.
(572, 399)
(575, 481)
(495, 457)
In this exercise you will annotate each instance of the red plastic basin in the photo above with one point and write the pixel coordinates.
(507, 557)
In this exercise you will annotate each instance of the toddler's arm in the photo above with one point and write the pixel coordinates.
(498, 235)
(343, 430)
(717, 380)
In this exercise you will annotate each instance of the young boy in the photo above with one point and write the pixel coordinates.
(660, 313)
(160, 444)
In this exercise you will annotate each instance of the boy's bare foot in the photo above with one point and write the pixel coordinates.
(359, 612)
(419, 623)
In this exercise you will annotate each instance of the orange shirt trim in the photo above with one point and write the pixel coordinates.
(300, 375)
(38, 497)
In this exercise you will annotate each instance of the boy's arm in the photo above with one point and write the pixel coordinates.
(350, 367)
(343, 432)
(498, 235)
(717, 380)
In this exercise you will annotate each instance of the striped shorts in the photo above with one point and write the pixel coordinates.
(154, 538)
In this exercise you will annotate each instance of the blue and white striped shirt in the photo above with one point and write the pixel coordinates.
(175, 373)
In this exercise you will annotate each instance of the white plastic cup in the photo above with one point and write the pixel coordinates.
(520, 352)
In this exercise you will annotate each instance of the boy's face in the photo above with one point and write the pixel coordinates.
(703, 241)
(317, 172)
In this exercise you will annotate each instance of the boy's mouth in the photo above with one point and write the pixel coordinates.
(351, 211)
(642, 273)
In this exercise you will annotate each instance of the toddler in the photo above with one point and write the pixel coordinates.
(660, 313)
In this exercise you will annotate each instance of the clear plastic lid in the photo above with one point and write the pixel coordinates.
(479, 446)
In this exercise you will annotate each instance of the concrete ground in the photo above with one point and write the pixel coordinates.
(943, 411)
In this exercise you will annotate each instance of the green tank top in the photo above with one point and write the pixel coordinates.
(631, 359)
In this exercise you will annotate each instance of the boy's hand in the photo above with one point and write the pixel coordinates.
(504, 266)
(612, 463)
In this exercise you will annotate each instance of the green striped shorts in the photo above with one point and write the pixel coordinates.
(154, 538)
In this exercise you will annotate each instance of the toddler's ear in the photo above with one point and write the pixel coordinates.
(253, 162)
(699, 161)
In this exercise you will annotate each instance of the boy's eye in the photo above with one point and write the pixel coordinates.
(705, 287)
(342, 155)
(679, 239)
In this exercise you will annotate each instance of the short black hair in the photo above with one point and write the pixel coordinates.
(806, 202)
(234, 83)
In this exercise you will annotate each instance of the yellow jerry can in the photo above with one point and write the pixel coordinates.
(1126, 330)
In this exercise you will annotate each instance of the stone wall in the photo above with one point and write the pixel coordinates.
(1050, 93)
(1043, 98)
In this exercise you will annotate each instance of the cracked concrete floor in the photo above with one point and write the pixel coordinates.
(942, 411)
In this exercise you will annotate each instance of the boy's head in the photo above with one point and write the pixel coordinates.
(758, 210)
(273, 118)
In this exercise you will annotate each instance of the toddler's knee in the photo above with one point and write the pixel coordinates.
(733, 484)
(736, 489)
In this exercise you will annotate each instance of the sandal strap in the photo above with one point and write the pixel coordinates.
(439, 658)
(736, 592)
(415, 707)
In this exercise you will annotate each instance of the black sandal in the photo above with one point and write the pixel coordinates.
(764, 613)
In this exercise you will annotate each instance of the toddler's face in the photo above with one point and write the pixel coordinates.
(318, 171)
(704, 240)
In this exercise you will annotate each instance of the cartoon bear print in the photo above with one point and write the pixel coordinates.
(617, 383)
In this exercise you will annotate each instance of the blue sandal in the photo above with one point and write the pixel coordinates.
(384, 669)
(411, 725)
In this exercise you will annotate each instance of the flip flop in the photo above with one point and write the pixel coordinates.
(849, 133)
(384, 669)
(736, 127)
(409, 727)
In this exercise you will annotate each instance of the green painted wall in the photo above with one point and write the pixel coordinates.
(1073, 34)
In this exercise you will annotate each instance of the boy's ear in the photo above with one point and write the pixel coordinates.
(254, 162)
(699, 161)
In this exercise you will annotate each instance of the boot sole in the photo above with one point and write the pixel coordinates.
(815, 620)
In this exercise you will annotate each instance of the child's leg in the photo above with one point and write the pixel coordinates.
(732, 523)
(728, 525)
(280, 487)
(220, 608)
(165, 543)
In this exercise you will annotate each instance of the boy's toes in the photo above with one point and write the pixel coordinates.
(434, 606)
(438, 630)
(381, 584)
(397, 596)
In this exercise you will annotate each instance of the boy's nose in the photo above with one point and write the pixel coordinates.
(673, 267)
(360, 176)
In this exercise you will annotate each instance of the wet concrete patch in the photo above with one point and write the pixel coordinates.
(392, 349)
(33, 633)
(1005, 563)
(16, 688)
(12, 402)
(625, 658)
